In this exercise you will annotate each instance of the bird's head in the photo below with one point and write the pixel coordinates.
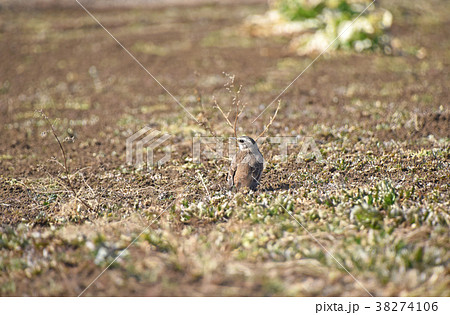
(246, 143)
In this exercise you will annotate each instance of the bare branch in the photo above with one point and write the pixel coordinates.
(236, 106)
(271, 121)
(223, 114)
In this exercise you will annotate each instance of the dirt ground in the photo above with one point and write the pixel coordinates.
(379, 202)
(108, 4)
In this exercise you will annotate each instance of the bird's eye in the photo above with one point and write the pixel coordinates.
(241, 141)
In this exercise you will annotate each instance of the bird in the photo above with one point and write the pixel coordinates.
(247, 165)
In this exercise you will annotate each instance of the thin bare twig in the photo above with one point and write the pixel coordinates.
(223, 114)
(236, 106)
(270, 122)
(236, 103)
(65, 164)
(87, 185)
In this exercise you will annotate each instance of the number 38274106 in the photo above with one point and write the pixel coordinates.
(411, 306)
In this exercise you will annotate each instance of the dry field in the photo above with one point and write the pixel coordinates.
(378, 202)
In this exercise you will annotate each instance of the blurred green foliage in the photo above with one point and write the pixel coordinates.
(315, 24)
(335, 18)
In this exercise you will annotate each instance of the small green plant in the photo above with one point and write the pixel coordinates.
(367, 216)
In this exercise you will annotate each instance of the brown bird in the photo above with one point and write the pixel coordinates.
(247, 165)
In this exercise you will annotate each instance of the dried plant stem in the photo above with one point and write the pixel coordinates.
(65, 164)
(237, 107)
(236, 103)
(223, 114)
(270, 122)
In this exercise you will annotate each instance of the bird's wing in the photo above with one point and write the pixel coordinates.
(231, 173)
(257, 169)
